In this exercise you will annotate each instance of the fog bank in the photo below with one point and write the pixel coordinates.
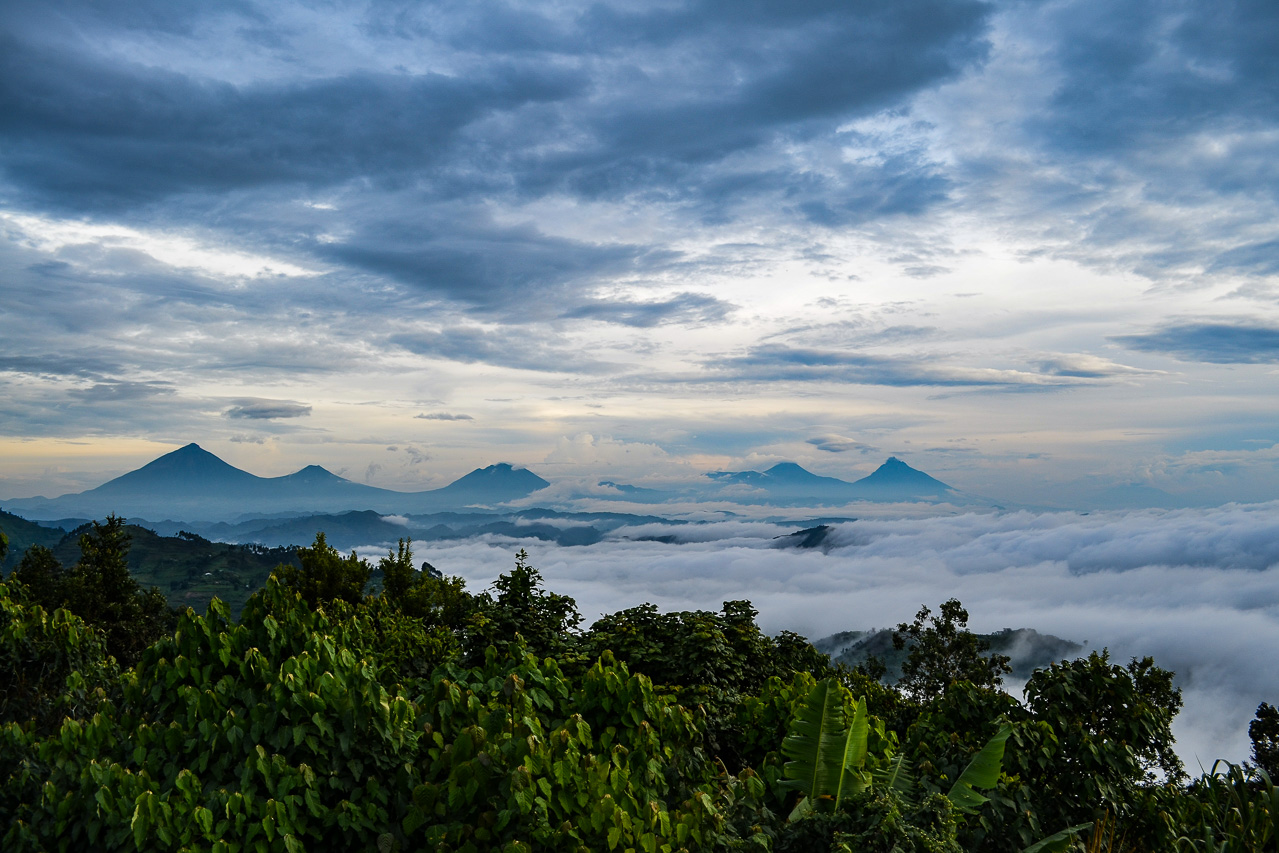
(1196, 589)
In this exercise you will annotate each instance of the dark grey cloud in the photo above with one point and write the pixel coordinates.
(106, 408)
(87, 131)
(1141, 135)
(685, 308)
(1139, 71)
(550, 100)
(836, 444)
(1253, 258)
(441, 416)
(512, 269)
(698, 106)
(258, 409)
(57, 365)
(1216, 342)
(782, 363)
(502, 348)
(114, 392)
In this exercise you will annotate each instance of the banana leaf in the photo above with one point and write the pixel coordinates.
(851, 781)
(1058, 842)
(816, 743)
(896, 776)
(981, 772)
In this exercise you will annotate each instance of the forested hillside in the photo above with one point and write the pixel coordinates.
(188, 570)
(433, 717)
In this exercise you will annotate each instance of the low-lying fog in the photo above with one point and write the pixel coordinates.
(1196, 589)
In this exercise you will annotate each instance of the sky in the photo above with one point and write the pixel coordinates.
(1031, 248)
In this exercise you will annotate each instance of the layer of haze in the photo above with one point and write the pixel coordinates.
(1198, 590)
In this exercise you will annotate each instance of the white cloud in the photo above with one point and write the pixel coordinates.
(1196, 589)
(175, 250)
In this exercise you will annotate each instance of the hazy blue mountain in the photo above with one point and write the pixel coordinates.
(1026, 648)
(633, 494)
(192, 484)
(789, 483)
(897, 481)
(494, 484)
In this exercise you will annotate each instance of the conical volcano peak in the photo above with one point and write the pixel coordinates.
(496, 475)
(190, 459)
(895, 473)
(314, 474)
(789, 471)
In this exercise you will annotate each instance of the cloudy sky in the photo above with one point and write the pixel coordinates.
(1029, 247)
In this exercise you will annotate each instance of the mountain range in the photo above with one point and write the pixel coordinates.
(788, 483)
(192, 483)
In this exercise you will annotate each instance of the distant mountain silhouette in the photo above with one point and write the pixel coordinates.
(789, 483)
(895, 480)
(193, 484)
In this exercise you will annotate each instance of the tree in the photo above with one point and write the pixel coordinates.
(944, 651)
(44, 577)
(51, 663)
(100, 589)
(325, 575)
(103, 593)
(545, 620)
(1113, 730)
(397, 571)
(1263, 731)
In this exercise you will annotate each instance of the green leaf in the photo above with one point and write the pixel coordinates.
(1058, 841)
(816, 742)
(854, 753)
(802, 809)
(897, 777)
(981, 772)
(141, 824)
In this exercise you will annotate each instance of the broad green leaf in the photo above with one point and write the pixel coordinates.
(982, 772)
(897, 777)
(850, 781)
(1058, 841)
(802, 809)
(816, 742)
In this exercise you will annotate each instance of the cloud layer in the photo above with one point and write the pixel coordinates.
(1196, 589)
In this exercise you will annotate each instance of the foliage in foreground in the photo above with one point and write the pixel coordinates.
(431, 718)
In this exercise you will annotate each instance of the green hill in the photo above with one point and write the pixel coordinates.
(1027, 649)
(189, 569)
(22, 535)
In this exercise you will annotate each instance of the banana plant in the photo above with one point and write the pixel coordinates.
(982, 772)
(826, 756)
(827, 761)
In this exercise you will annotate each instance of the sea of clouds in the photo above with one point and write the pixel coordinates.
(1196, 589)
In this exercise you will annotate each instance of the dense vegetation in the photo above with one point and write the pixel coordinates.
(430, 717)
(188, 569)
